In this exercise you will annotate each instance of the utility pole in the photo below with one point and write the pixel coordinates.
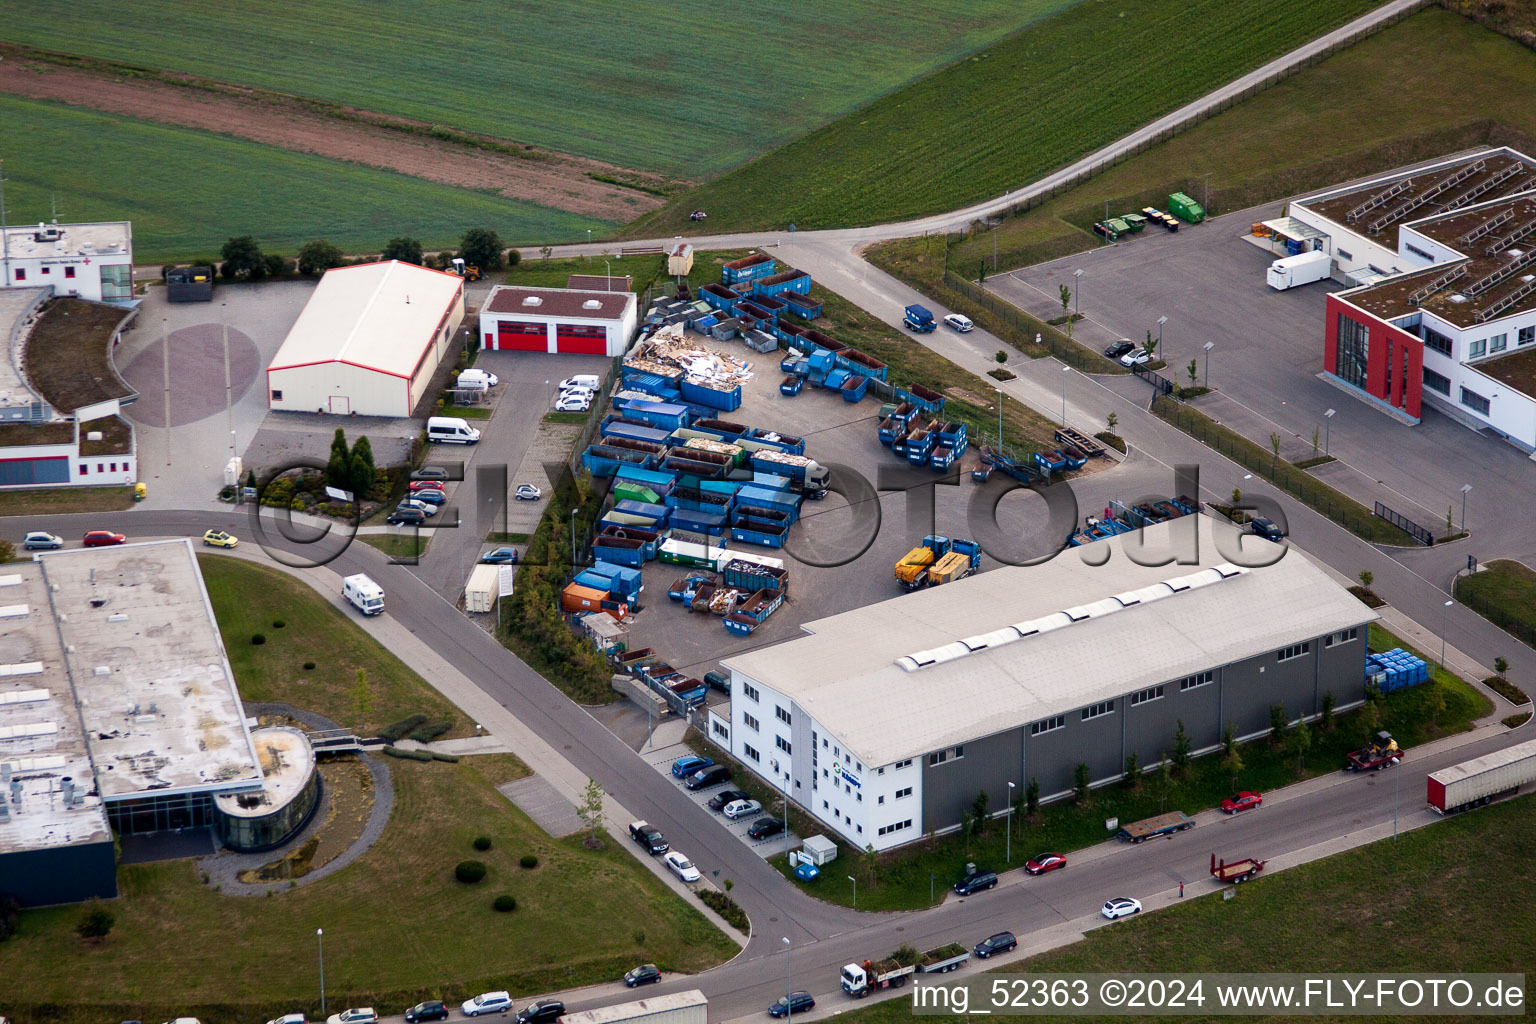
(1207, 203)
(994, 248)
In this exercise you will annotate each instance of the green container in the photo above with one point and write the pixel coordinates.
(1120, 226)
(1135, 220)
(1185, 208)
(628, 490)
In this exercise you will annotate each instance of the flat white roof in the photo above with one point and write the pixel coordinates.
(640, 1008)
(103, 238)
(42, 742)
(380, 316)
(153, 685)
(893, 680)
(14, 305)
(287, 762)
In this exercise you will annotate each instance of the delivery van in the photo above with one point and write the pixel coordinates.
(451, 430)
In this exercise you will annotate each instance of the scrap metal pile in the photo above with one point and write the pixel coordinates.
(668, 352)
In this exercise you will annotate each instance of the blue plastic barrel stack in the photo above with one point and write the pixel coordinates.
(1396, 669)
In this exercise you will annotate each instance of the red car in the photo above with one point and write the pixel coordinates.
(426, 485)
(1244, 801)
(1041, 863)
(103, 538)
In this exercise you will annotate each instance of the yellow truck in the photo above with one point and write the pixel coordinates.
(912, 570)
(963, 558)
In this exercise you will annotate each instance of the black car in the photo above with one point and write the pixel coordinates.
(406, 516)
(642, 975)
(1267, 529)
(975, 882)
(764, 828)
(725, 796)
(718, 680)
(545, 1011)
(432, 1009)
(1002, 942)
(711, 776)
(1118, 349)
(795, 1002)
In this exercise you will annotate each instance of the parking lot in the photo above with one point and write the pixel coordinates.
(662, 760)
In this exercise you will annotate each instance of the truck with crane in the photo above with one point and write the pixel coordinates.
(859, 980)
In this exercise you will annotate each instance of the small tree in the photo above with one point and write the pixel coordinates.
(318, 256)
(1500, 666)
(545, 251)
(1150, 345)
(338, 468)
(481, 247)
(514, 257)
(1237, 497)
(1276, 722)
(96, 923)
(274, 263)
(1112, 421)
(1002, 356)
(979, 808)
(870, 857)
(241, 256)
(967, 829)
(1298, 742)
(591, 811)
(1066, 300)
(406, 250)
(1193, 369)
(1032, 798)
(1370, 715)
(1316, 435)
(1325, 723)
(360, 470)
(1367, 578)
(1132, 770)
(1232, 764)
(1449, 523)
(362, 699)
(1229, 738)
(1080, 780)
(1181, 748)
(1274, 446)
(981, 273)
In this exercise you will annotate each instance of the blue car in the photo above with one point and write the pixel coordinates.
(500, 556)
(686, 766)
(431, 497)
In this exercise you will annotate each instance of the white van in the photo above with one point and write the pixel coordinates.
(366, 596)
(469, 377)
(451, 430)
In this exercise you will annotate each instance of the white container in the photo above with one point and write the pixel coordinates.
(688, 1007)
(1477, 780)
(1303, 268)
(480, 592)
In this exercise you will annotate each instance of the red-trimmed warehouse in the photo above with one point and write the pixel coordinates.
(558, 320)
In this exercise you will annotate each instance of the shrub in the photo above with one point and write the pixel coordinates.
(504, 903)
(96, 922)
(726, 907)
(278, 623)
(308, 665)
(482, 843)
(428, 733)
(438, 756)
(469, 871)
(258, 638)
(393, 733)
(528, 861)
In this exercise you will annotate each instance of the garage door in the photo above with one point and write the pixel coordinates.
(581, 338)
(522, 336)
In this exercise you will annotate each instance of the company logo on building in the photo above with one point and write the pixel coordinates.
(839, 772)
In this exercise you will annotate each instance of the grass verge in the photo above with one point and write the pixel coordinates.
(574, 419)
(250, 599)
(59, 500)
(468, 412)
(1516, 721)
(1508, 690)
(231, 959)
(1312, 492)
(1503, 592)
(1439, 885)
(916, 876)
(397, 545)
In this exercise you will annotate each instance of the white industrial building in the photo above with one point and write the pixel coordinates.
(558, 320)
(87, 261)
(885, 722)
(368, 342)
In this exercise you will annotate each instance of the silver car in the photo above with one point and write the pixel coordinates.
(41, 541)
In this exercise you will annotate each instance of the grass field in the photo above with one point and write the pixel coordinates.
(902, 880)
(1442, 891)
(249, 598)
(186, 191)
(1005, 116)
(397, 545)
(1252, 153)
(59, 500)
(1504, 593)
(398, 927)
(686, 87)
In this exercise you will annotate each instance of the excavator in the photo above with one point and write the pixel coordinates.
(468, 273)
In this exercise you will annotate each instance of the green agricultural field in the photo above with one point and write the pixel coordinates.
(687, 87)
(186, 191)
(1006, 116)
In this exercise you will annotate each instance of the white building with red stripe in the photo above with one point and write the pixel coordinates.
(368, 341)
(558, 320)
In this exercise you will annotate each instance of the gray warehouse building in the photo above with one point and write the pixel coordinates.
(885, 721)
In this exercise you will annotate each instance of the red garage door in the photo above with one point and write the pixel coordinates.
(522, 336)
(581, 338)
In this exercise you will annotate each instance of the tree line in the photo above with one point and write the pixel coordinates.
(242, 258)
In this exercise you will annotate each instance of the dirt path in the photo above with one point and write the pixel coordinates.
(555, 180)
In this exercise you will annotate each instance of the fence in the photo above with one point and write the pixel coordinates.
(1520, 627)
(1407, 525)
(1061, 346)
(1300, 484)
(1163, 385)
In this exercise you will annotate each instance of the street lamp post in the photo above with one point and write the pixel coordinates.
(999, 419)
(1208, 346)
(1008, 843)
(1160, 321)
(589, 243)
(789, 984)
(551, 403)
(1327, 429)
(1064, 371)
(1077, 286)
(320, 940)
(607, 277)
(855, 882)
(573, 538)
(1445, 622)
(1464, 489)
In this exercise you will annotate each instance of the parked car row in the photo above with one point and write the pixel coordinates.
(41, 540)
(701, 772)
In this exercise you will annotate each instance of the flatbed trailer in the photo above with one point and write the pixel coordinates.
(1161, 825)
(1237, 872)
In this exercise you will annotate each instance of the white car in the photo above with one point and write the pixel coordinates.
(426, 508)
(41, 541)
(470, 376)
(741, 808)
(574, 403)
(527, 492)
(1136, 357)
(487, 1002)
(681, 866)
(288, 1018)
(1120, 906)
(581, 380)
(577, 392)
(958, 322)
(359, 1015)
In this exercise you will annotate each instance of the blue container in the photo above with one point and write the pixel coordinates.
(728, 400)
(766, 536)
(661, 415)
(802, 306)
(657, 482)
(620, 556)
(788, 281)
(643, 508)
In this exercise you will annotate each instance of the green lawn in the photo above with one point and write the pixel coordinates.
(186, 191)
(398, 927)
(397, 545)
(57, 500)
(685, 87)
(1443, 892)
(902, 879)
(248, 599)
(1005, 116)
(1504, 593)
(1357, 115)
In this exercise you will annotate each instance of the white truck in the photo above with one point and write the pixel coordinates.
(1303, 268)
(688, 1007)
(364, 594)
(859, 980)
(1483, 779)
